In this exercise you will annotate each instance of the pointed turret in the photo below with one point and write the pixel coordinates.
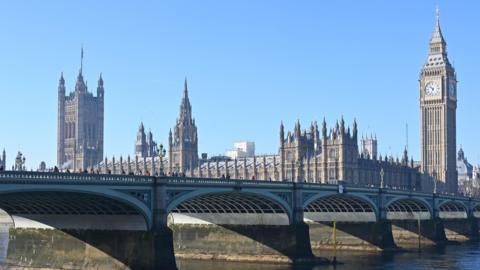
(61, 86)
(61, 81)
(324, 128)
(355, 130)
(100, 80)
(81, 61)
(282, 133)
(437, 45)
(437, 36)
(461, 154)
(342, 126)
(150, 135)
(80, 85)
(298, 131)
(100, 89)
(405, 157)
(184, 143)
(185, 89)
(185, 107)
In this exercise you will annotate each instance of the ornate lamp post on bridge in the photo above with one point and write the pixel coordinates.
(382, 173)
(161, 153)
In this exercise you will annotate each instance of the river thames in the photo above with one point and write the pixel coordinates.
(50, 249)
(463, 256)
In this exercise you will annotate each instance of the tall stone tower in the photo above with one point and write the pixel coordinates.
(141, 143)
(80, 124)
(145, 146)
(183, 145)
(438, 104)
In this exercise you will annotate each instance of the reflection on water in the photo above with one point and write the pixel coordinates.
(465, 256)
(56, 250)
(4, 239)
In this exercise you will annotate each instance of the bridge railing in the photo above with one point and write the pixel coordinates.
(35, 177)
(85, 178)
(214, 181)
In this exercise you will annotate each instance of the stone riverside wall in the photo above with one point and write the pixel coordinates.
(405, 233)
(266, 243)
(461, 230)
(372, 236)
(89, 249)
(45, 248)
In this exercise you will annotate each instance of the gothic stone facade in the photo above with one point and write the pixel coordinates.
(80, 125)
(145, 146)
(333, 156)
(304, 156)
(438, 104)
(183, 145)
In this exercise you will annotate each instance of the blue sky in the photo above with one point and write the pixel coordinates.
(250, 64)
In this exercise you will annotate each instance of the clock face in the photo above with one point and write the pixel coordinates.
(451, 88)
(432, 89)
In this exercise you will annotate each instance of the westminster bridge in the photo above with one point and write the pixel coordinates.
(136, 218)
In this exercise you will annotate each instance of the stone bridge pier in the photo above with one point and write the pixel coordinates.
(239, 223)
(242, 221)
(358, 225)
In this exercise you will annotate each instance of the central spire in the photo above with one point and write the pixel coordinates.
(185, 89)
(437, 42)
(80, 86)
(437, 36)
(185, 107)
(81, 60)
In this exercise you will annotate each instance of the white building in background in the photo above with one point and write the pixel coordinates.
(242, 149)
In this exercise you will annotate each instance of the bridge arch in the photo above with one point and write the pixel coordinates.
(408, 209)
(340, 207)
(77, 207)
(452, 210)
(476, 210)
(227, 207)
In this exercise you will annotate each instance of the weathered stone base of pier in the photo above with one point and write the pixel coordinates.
(372, 236)
(136, 249)
(47, 248)
(461, 229)
(405, 233)
(91, 249)
(253, 243)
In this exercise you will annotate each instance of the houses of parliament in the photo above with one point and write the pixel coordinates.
(318, 153)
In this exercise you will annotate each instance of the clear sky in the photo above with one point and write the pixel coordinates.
(250, 64)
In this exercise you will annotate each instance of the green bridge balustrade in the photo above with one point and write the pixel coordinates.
(89, 205)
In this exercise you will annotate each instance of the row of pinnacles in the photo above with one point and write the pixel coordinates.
(304, 156)
(145, 146)
(329, 156)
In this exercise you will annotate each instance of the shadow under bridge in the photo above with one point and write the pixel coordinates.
(340, 208)
(73, 210)
(229, 208)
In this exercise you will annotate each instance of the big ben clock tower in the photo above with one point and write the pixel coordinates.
(438, 104)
